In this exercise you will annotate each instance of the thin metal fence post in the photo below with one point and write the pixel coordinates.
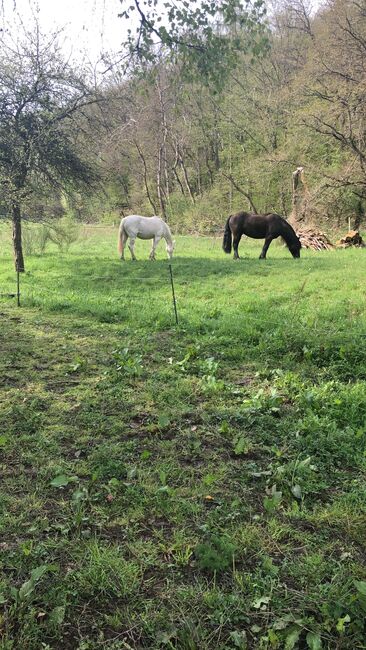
(18, 288)
(173, 293)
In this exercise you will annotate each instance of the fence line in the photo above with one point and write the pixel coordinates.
(35, 290)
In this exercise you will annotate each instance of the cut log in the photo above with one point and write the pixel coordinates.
(352, 238)
(314, 239)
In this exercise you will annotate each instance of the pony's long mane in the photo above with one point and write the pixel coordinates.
(289, 236)
(167, 231)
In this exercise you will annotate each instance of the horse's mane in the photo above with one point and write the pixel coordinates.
(290, 236)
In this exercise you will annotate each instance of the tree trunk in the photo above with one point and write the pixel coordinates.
(186, 179)
(17, 238)
(158, 183)
(299, 196)
(164, 127)
(145, 176)
(176, 161)
(246, 194)
(360, 213)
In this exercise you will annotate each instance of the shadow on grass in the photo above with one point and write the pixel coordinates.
(109, 290)
(80, 271)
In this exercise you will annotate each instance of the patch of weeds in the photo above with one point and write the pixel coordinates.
(327, 444)
(300, 477)
(344, 360)
(103, 573)
(264, 401)
(107, 461)
(209, 381)
(125, 364)
(188, 362)
(272, 501)
(215, 555)
(241, 445)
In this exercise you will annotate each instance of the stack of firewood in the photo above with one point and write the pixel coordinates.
(314, 239)
(352, 238)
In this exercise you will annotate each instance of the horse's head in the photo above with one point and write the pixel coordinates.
(170, 248)
(295, 248)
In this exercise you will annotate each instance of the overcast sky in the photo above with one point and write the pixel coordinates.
(90, 25)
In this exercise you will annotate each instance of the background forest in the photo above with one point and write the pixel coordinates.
(194, 149)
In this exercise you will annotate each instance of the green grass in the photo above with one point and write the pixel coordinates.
(190, 487)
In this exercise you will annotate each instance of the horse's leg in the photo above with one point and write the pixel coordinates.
(267, 242)
(131, 246)
(156, 240)
(236, 242)
(123, 244)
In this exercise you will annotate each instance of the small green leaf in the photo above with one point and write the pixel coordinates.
(145, 455)
(361, 587)
(57, 616)
(14, 593)
(271, 503)
(255, 629)
(241, 446)
(239, 639)
(342, 623)
(131, 473)
(296, 491)
(314, 641)
(283, 622)
(164, 489)
(273, 638)
(292, 637)
(62, 480)
(26, 589)
(163, 421)
(305, 462)
(79, 495)
(3, 441)
(39, 571)
(262, 600)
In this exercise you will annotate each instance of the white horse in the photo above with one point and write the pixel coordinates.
(144, 228)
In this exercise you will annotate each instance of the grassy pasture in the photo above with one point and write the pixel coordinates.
(190, 487)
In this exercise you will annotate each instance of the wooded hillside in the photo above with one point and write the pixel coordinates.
(196, 147)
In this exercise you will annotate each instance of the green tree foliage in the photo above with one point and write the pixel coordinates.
(194, 148)
(42, 101)
(205, 37)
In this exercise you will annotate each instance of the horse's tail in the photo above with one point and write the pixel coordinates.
(226, 242)
(120, 233)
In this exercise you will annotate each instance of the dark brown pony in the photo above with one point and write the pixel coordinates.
(259, 226)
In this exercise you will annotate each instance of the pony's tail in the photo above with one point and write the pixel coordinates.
(120, 233)
(226, 242)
